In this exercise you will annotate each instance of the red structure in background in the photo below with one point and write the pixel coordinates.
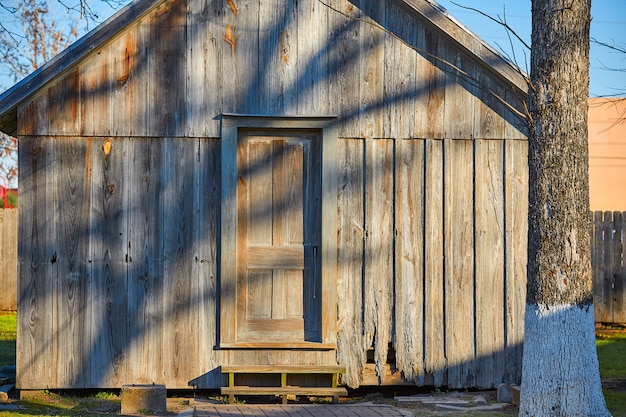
(4, 193)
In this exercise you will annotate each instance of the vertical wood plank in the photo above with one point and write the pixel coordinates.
(344, 64)
(371, 41)
(8, 258)
(351, 348)
(313, 57)
(127, 79)
(489, 111)
(33, 117)
(609, 281)
(400, 82)
(168, 29)
(144, 83)
(490, 228)
(516, 241)
(240, 51)
(515, 124)
(329, 238)
(597, 265)
(618, 284)
(64, 105)
(108, 292)
(36, 352)
(94, 94)
(434, 355)
(431, 76)
(228, 232)
(409, 291)
(204, 55)
(379, 274)
(459, 94)
(180, 340)
(208, 197)
(620, 281)
(278, 57)
(145, 269)
(73, 188)
(459, 262)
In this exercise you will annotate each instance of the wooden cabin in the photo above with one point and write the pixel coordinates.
(219, 183)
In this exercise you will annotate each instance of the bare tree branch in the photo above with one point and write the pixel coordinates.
(619, 49)
(498, 20)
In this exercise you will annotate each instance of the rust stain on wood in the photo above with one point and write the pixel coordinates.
(232, 6)
(284, 46)
(230, 38)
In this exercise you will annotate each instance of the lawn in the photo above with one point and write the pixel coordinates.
(611, 347)
(7, 338)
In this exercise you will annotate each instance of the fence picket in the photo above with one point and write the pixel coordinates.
(619, 313)
(597, 264)
(608, 241)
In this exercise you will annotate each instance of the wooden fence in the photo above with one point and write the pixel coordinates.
(608, 241)
(8, 259)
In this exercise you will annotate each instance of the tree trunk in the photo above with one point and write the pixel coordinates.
(560, 375)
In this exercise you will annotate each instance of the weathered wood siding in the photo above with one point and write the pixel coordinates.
(385, 74)
(8, 259)
(120, 197)
(458, 284)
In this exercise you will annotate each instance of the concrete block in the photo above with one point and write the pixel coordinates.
(144, 399)
(515, 394)
(480, 400)
(449, 407)
(504, 394)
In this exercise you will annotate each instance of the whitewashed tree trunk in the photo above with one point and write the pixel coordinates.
(560, 375)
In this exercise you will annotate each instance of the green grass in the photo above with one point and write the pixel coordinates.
(8, 322)
(611, 353)
(47, 403)
(615, 402)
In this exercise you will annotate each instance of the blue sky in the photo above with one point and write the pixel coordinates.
(608, 25)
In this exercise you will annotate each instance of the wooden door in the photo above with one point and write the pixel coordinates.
(278, 237)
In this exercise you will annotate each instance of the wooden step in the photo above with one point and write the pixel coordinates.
(283, 392)
(283, 369)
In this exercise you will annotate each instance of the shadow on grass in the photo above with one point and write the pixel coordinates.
(7, 352)
(46, 403)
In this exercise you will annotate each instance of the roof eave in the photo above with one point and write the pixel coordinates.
(491, 59)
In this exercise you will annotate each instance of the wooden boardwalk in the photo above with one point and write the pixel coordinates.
(359, 410)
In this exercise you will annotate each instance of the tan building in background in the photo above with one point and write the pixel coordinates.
(607, 154)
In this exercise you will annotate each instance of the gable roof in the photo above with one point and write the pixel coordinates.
(428, 10)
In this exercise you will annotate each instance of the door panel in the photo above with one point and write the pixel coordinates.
(278, 233)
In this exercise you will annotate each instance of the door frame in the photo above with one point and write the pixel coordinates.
(227, 312)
